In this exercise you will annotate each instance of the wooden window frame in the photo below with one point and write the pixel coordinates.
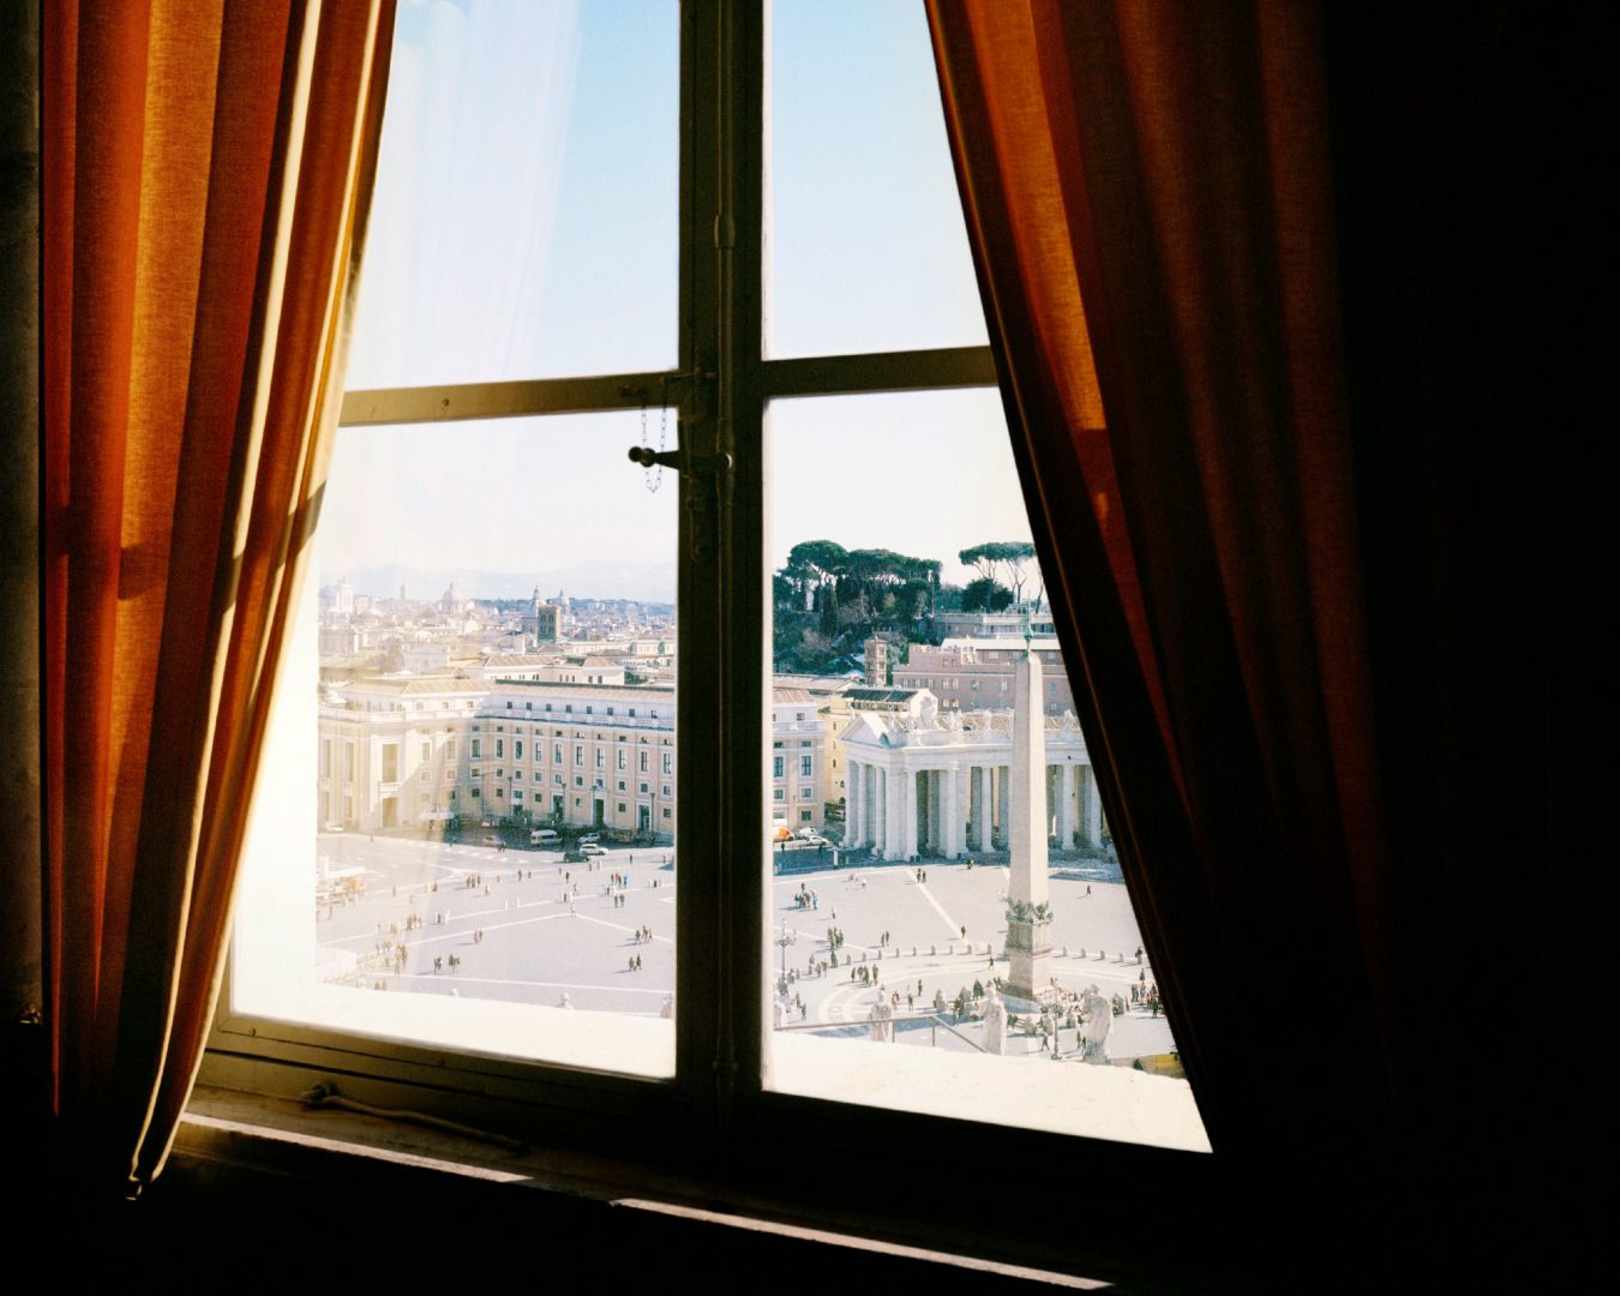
(907, 1175)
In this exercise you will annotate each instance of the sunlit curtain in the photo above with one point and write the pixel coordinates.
(207, 170)
(1150, 200)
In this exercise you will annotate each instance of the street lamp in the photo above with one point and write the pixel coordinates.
(783, 941)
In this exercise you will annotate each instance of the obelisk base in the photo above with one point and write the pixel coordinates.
(1029, 984)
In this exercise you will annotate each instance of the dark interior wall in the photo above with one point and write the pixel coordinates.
(1481, 326)
(19, 510)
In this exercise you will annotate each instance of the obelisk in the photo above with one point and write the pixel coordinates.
(1029, 922)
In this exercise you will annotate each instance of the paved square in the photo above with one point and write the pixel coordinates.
(525, 926)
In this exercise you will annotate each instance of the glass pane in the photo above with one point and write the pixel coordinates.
(481, 699)
(525, 217)
(866, 249)
(946, 910)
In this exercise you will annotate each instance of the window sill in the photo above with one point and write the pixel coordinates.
(264, 1135)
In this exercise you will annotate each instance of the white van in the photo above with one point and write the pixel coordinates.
(543, 837)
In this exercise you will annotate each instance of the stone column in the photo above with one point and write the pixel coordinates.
(1003, 802)
(950, 814)
(880, 809)
(868, 797)
(869, 794)
(854, 823)
(1093, 808)
(981, 789)
(894, 801)
(1066, 808)
(908, 813)
(1028, 938)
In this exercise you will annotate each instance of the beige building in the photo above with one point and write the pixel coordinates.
(392, 751)
(553, 668)
(997, 625)
(801, 766)
(398, 753)
(598, 755)
(970, 674)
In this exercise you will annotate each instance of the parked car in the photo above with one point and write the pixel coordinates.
(591, 848)
(543, 837)
(587, 839)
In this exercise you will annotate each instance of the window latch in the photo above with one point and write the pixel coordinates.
(712, 465)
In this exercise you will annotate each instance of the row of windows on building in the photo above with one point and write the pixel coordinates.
(567, 708)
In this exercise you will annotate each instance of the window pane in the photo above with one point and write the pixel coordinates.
(860, 193)
(484, 594)
(953, 907)
(525, 219)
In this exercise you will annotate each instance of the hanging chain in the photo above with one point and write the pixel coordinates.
(654, 477)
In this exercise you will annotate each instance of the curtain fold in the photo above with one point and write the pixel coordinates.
(1150, 200)
(207, 170)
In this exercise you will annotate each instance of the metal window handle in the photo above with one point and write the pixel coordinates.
(681, 461)
(704, 479)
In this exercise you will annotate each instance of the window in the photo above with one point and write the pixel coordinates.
(807, 766)
(643, 762)
(623, 758)
(494, 264)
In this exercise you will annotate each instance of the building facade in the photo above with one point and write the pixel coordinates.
(801, 763)
(392, 751)
(922, 781)
(996, 625)
(971, 674)
(409, 753)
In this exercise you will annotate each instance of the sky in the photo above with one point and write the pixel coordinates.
(525, 225)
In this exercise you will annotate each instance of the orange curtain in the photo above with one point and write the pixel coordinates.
(1150, 199)
(206, 175)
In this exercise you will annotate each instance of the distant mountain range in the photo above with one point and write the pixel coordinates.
(644, 582)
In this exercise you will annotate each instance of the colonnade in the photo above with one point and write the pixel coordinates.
(904, 810)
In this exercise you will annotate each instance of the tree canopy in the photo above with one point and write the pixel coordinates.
(830, 599)
(1004, 562)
